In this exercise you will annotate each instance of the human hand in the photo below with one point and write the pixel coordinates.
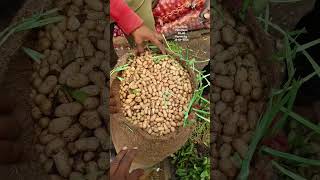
(142, 34)
(120, 166)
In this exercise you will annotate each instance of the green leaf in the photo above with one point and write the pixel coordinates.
(308, 45)
(79, 96)
(291, 157)
(293, 93)
(34, 55)
(37, 20)
(118, 69)
(302, 120)
(287, 172)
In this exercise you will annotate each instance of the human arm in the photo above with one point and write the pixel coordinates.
(133, 25)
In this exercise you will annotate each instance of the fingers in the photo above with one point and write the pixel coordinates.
(156, 42)
(140, 47)
(127, 161)
(116, 162)
(134, 175)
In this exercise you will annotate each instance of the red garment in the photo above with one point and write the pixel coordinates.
(125, 17)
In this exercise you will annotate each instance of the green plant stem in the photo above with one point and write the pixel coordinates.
(291, 157)
(287, 172)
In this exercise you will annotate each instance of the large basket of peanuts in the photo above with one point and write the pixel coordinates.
(152, 96)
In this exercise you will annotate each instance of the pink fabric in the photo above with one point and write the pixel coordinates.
(125, 17)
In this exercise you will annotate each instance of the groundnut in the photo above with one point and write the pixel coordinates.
(91, 90)
(68, 71)
(58, 45)
(245, 88)
(91, 103)
(72, 133)
(69, 109)
(220, 107)
(87, 46)
(240, 146)
(44, 122)
(90, 119)
(95, 4)
(87, 144)
(215, 97)
(227, 95)
(220, 68)
(59, 124)
(223, 56)
(228, 35)
(73, 23)
(223, 82)
(225, 150)
(256, 93)
(227, 167)
(36, 113)
(62, 164)
(225, 115)
(48, 84)
(54, 146)
(77, 80)
(254, 78)
(253, 118)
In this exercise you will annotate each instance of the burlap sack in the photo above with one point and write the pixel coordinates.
(151, 150)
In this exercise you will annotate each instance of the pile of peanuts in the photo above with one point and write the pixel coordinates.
(238, 94)
(71, 135)
(155, 95)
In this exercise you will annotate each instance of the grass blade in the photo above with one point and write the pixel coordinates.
(287, 172)
(307, 55)
(284, 1)
(291, 157)
(308, 45)
(40, 23)
(291, 101)
(271, 112)
(34, 55)
(118, 69)
(302, 120)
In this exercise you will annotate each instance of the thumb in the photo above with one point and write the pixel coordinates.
(134, 175)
